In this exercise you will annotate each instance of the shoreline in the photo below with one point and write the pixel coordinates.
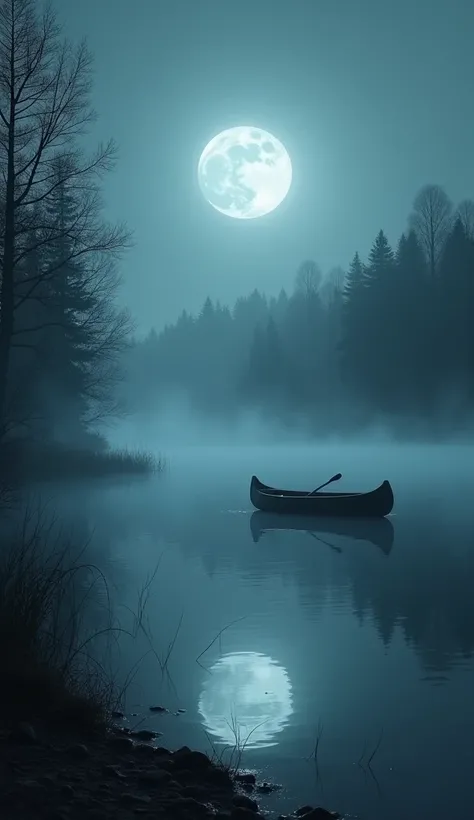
(109, 774)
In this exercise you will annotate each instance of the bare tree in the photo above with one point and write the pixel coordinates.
(465, 212)
(431, 219)
(332, 284)
(308, 278)
(45, 88)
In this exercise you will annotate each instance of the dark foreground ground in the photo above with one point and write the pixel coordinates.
(112, 775)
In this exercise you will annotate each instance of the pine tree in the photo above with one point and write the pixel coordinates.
(456, 310)
(352, 320)
(66, 343)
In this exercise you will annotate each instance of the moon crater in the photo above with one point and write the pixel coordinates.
(245, 172)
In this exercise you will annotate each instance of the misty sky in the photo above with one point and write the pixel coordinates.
(371, 98)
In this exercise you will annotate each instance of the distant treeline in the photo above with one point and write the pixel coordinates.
(391, 339)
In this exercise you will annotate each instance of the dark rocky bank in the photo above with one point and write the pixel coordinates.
(112, 775)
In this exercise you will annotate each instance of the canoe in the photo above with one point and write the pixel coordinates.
(374, 504)
(377, 531)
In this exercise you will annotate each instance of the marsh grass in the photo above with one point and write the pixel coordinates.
(229, 757)
(58, 633)
(24, 461)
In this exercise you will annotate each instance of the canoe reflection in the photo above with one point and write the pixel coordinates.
(379, 531)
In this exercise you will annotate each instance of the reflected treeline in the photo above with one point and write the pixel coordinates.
(420, 586)
(412, 576)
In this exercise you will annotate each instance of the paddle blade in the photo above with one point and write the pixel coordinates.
(334, 478)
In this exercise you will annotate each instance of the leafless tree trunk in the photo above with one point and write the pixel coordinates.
(465, 212)
(431, 219)
(308, 278)
(44, 109)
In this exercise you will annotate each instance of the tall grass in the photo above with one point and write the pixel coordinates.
(52, 665)
(24, 461)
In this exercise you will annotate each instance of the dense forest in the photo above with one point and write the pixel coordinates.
(389, 340)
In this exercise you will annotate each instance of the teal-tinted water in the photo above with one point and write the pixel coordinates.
(367, 647)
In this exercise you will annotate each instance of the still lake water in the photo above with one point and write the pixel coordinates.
(337, 638)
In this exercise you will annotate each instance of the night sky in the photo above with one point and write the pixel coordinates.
(372, 99)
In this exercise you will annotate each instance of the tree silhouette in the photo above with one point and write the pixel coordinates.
(44, 108)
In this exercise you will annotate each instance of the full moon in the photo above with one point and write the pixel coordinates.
(245, 172)
(246, 701)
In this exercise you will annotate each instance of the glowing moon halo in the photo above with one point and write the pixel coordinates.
(245, 172)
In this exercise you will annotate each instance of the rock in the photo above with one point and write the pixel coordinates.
(244, 802)
(181, 711)
(247, 787)
(219, 777)
(184, 758)
(154, 778)
(121, 744)
(144, 750)
(303, 810)
(197, 792)
(31, 791)
(47, 780)
(67, 792)
(188, 807)
(111, 771)
(160, 750)
(241, 813)
(23, 733)
(185, 776)
(130, 799)
(245, 778)
(166, 763)
(78, 751)
(182, 750)
(317, 814)
(157, 709)
(117, 715)
(145, 734)
(267, 788)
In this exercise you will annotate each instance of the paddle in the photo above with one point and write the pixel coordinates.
(333, 547)
(334, 478)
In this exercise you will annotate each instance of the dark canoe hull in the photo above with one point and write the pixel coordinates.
(377, 531)
(374, 504)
